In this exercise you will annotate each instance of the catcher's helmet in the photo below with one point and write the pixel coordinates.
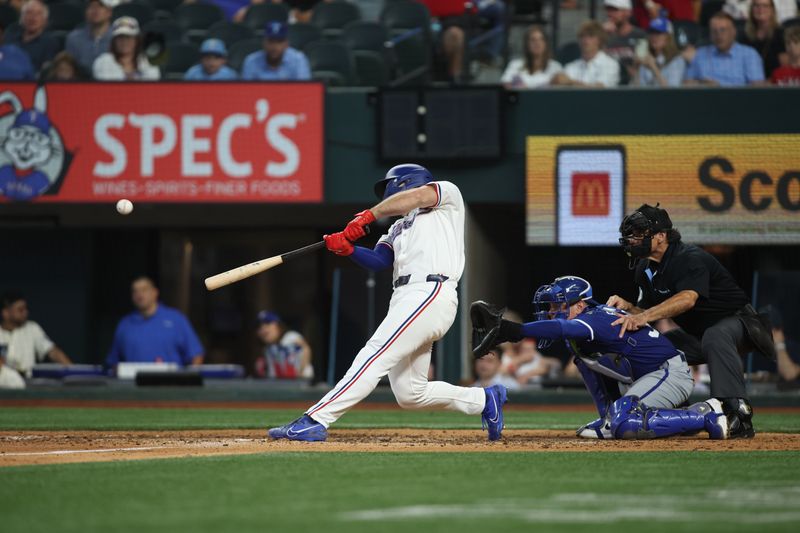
(401, 178)
(566, 289)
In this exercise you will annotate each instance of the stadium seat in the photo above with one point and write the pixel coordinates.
(568, 52)
(258, 15)
(8, 15)
(330, 62)
(332, 17)
(230, 32)
(164, 8)
(141, 11)
(365, 36)
(371, 68)
(692, 31)
(180, 56)
(168, 29)
(64, 16)
(195, 19)
(413, 59)
(708, 8)
(240, 50)
(404, 15)
(301, 34)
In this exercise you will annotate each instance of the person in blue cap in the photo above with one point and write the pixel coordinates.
(662, 64)
(212, 67)
(277, 61)
(287, 355)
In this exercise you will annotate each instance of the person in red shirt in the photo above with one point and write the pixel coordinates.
(646, 10)
(789, 74)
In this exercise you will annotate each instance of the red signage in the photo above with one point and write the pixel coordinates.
(590, 193)
(161, 142)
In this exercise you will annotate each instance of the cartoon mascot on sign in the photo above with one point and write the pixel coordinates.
(32, 154)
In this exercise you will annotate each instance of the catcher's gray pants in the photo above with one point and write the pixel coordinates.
(666, 388)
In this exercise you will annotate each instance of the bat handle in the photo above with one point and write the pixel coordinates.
(303, 250)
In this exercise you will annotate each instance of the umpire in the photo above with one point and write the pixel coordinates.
(684, 283)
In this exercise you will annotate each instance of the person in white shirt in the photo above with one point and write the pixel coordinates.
(23, 343)
(536, 68)
(595, 68)
(488, 372)
(125, 61)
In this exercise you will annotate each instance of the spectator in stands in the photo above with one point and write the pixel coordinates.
(789, 74)
(212, 67)
(725, 62)
(277, 61)
(86, 43)
(125, 61)
(23, 342)
(64, 67)
(788, 368)
(763, 32)
(153, 333)
(663, 65)
(487, 370)
(537, 68)
(14, 62)
(532, 366)
(32, 35)
(622, 35)
(646, 10)
(594, 68)
(287, 355)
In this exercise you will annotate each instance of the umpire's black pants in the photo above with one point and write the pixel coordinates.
(722, 346)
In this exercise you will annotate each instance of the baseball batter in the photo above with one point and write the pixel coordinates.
(425, 247)
(635, 380)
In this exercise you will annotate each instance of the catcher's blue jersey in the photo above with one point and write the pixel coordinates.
(646, 349)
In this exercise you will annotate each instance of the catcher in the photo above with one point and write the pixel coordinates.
(636, 381)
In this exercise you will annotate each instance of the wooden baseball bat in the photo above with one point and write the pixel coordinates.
(256, 267)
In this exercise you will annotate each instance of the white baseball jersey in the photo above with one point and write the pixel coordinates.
(24, 346)
(426, 241)
(430, 240)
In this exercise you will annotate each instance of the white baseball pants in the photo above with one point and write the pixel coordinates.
(419, 314)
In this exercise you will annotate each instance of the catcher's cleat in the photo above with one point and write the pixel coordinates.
(740, 418)
(597, 429)
(492, 415)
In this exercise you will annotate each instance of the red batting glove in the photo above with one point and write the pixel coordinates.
(355, 228)
(338, 244)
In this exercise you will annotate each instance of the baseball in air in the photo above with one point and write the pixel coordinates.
(124, 207)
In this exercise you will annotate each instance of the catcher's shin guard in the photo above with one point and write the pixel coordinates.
(630, 419)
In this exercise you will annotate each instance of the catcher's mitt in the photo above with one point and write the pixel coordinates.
(486, 320)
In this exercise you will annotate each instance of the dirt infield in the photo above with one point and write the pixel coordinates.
(41, 447)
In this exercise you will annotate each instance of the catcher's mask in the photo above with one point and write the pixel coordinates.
(638, 228)
(553, 301)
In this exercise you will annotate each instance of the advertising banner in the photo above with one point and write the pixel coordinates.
(718, 189)
(161, 142)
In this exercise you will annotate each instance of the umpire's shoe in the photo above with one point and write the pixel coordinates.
(492, 415)
(740, 418)
(304, 428)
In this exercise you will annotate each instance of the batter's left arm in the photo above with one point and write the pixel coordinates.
(403, 202)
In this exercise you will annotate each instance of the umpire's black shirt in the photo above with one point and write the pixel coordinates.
(687, 267)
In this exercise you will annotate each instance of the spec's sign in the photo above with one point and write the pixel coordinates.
(165, 142)
(718, 189)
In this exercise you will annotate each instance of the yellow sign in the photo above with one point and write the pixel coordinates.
(718, 189)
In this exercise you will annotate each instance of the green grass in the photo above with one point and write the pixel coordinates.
(42, 418)
(366, 492)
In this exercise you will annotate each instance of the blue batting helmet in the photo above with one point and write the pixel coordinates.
(566, 289)
(401, 178)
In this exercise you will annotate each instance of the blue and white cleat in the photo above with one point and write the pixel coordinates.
(304, 428)
(597, 429)
(492, 415)
(716, 422)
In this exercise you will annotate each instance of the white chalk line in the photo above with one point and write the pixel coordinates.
(734, 505)
(68, 452)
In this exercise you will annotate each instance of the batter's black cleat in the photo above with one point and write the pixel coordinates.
(740, 418)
